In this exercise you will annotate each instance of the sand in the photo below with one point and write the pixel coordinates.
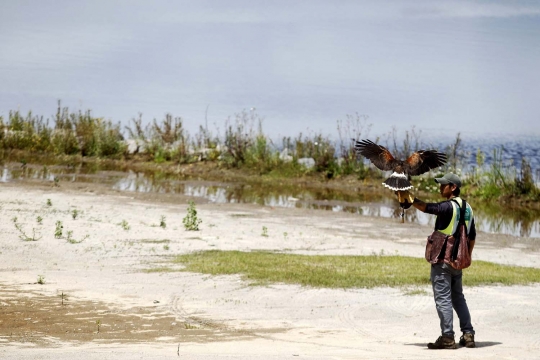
(97, 301)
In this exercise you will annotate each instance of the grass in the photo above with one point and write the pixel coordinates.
(260, 268)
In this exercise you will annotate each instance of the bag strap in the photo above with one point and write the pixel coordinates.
(457, 238)
(462, 210)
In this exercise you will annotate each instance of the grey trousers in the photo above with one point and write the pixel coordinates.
(448, 294)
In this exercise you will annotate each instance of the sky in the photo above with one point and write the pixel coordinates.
(442, 67)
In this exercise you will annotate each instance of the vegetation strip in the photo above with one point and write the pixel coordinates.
(73, 136)
(342, 271)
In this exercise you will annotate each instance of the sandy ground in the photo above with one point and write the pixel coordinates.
(98, 302)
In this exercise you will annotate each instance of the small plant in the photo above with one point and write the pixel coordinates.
(74, 214)
(98, 324)
(49, 202)
(191, 221)
(22, 234)
(39, 220)
(124, 224)
(71, 240)
(64, 297)
(58, 229)
(166, 247)
(264, 231)
(162, 222)
(285, 234)
(41, 279)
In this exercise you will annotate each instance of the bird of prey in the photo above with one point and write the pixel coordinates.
(418, 163)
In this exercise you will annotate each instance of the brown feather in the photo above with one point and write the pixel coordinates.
(424, 160)
(377, 154)
(418, 163)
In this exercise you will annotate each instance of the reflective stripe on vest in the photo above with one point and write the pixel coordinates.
(452, 227)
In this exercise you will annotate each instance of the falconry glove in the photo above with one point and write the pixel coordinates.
(405, 199)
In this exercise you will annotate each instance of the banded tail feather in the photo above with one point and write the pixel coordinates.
(398, 182)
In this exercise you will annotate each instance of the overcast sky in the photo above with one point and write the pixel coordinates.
(471, 66)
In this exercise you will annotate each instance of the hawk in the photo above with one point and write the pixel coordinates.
(418, 163)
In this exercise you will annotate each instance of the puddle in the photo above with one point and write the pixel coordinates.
(36, 319)
(521, 224)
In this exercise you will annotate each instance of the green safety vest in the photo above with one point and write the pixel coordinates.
(452, 227)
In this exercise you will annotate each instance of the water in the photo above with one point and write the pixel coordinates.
(512, 222)
(509, 150)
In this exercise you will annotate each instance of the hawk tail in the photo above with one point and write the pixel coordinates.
(398, 182)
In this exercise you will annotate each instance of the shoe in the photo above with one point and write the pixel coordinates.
(443, 342)
(467, 340)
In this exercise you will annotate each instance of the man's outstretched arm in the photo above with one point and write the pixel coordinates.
(419, 204)
(406, 197)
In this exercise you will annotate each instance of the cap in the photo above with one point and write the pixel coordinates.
(449, 178)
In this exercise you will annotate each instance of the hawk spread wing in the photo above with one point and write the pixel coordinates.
(418, 163)
(422, 161)
(377, 154)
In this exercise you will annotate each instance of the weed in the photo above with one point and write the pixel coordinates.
(352, 128)
(64, 297)
(74, 214)
(22, 233)
(191, 221)
(264, 231)
(166, 247)
(124, 224)
(58, 229)
(244, 145)
(41, 279)
(150, 241)
(98, 324)
(71, 240)
(39, 220)
(162, 222)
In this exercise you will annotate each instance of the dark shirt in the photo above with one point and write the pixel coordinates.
(444, 212)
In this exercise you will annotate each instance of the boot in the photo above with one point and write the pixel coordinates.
(443, 342)
(467, 340)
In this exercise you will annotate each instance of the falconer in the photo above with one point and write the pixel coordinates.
(445, 279)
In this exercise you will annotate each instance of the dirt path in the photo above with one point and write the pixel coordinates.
(113, 308)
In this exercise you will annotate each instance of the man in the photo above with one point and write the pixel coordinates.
(446, 280)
